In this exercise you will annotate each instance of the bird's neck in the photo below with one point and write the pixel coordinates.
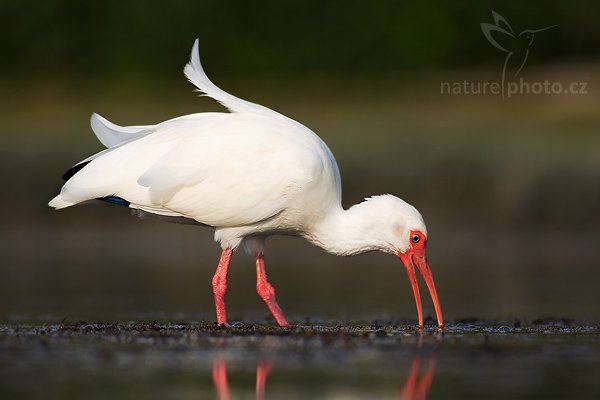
(345, 232)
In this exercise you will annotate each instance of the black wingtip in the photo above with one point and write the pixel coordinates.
(115, 200)
(69, 174)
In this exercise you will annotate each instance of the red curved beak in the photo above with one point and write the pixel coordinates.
(416, 258)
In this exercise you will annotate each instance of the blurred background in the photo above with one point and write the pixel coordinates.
(509, 187)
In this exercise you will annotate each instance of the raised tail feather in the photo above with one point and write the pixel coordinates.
(196, 75)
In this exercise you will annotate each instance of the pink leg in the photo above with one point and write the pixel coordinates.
(267, 292)
(219, 284)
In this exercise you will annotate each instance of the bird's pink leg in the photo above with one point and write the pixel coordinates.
(219, 284)
(267, 292)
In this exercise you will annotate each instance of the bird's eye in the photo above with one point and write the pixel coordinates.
(415, 238)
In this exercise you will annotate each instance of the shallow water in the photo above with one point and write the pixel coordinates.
(471, 359)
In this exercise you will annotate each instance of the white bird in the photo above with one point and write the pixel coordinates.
(249, 173)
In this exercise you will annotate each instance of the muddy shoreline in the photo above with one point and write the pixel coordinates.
(550, 358)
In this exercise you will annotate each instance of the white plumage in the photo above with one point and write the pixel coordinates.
(248, 173)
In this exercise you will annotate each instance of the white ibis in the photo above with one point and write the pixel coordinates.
(249, 173)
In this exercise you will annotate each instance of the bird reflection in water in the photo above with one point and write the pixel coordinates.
(219, 373)
(416, 387)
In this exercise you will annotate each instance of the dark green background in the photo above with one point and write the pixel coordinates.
(92, 38)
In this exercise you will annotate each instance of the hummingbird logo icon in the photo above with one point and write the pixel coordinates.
(516, 46)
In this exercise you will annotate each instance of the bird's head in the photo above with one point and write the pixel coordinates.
(402, 232)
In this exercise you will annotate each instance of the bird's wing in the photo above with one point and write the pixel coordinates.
(231, 179)
(230, 170)
(196, 75)
(111, 135)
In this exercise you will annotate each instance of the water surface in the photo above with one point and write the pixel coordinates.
(195, 360)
